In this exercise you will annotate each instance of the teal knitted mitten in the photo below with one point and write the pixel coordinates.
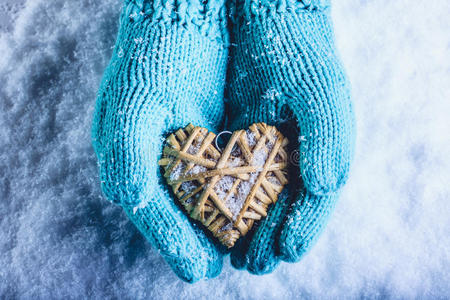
(167, 69)
(285, 71)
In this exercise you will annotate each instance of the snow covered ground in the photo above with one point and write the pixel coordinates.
(389, 236)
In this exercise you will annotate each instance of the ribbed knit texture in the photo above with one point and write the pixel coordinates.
(284, 69)
(167, 69)
(306, 221)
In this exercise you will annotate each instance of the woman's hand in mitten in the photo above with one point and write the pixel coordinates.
(168, 69)
(285, 71)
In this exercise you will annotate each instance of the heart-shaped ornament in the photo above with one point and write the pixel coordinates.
(226, 191)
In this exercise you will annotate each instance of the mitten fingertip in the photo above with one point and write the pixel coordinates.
(291, 252)
(322, 181)
(238, 256)
(305, 222)
(263, 264)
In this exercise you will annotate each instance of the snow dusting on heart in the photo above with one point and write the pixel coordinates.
(234, 189)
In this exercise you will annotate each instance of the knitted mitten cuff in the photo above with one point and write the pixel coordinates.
(209, 17)
(247, 9)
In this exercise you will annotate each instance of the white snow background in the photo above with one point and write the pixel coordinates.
(389, 235)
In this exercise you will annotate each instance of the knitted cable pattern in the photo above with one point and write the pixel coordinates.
(248, 9)
(207, 17)
(285, 66)
(162, 75)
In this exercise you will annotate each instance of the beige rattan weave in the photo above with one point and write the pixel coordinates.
(227, 191)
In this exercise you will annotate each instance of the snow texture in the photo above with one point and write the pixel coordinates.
(177, 171)
(244, 188)
(188, 187)
(196, 170)
(223, 186)
(251, 139)
(390, 233)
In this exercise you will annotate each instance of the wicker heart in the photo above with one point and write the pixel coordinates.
(227, 191)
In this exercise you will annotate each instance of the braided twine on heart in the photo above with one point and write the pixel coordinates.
(227, 192)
